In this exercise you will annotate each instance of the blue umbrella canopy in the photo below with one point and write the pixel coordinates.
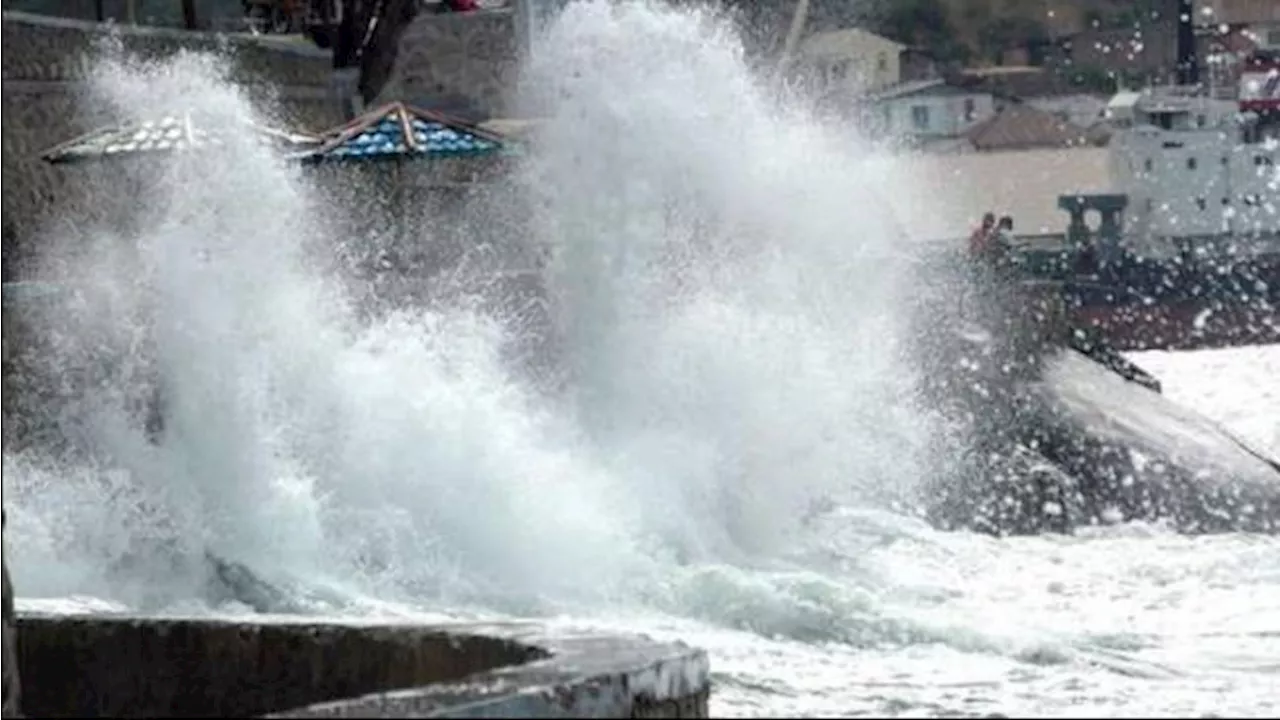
(27, 291)
(400, 131)
(169, 134)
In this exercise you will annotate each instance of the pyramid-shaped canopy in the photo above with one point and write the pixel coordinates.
(396, 131)
(173, 133)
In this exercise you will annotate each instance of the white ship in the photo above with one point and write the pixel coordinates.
(1200, 167)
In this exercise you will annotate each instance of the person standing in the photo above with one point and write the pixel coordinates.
(981, 238)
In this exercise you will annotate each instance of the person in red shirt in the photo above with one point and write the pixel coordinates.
(983, 236)
(461, 5)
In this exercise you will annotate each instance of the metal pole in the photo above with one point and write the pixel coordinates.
(524, 10)
(531, 16)
(799, 20)
(189, 20)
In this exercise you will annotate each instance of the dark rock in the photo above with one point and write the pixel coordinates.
(1060, 431)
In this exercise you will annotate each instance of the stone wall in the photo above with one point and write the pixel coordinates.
(451, 59)
(129, 667)
(216, 14)
(46, 65)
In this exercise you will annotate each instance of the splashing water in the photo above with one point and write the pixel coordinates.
(727, 284)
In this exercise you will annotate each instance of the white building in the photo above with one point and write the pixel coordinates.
(926, 110)
(852, 60)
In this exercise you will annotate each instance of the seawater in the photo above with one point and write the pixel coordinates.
(729, 287)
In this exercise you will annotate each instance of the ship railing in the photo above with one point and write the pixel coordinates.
(1046, 241)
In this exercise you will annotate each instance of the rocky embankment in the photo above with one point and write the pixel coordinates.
(1055, 434)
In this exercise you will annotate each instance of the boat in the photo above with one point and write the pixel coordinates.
(1185, 252)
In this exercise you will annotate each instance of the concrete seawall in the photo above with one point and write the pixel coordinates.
(136, 667)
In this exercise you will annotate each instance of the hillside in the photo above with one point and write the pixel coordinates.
(975, 31)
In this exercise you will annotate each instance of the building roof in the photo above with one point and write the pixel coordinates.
(398, 131)
(831, 42)
(168, 134)
(935, 86)
(1018, 126)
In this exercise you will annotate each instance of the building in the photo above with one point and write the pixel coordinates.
(850, 60)
(1242, 12)
(925, 111)
(917, 64)
(1079, 109)
(1232, 36)
(1021, 126)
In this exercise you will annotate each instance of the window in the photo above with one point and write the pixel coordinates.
(1147, 165)
(1191, 163)
(1150, 205)
(1201, 121)
(970, 109)
(882, 62)
(920, 117)
(1200, 203)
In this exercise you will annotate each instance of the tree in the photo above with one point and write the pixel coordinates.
(919, 23)
(1004, 33)
(189, 20)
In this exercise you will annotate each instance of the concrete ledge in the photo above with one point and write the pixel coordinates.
(139, 667)
(39, 48)
(274, 42)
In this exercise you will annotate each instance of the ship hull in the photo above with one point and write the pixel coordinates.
(1139, 304)
(1180, 325)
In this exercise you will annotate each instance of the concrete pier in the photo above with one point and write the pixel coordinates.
(120, 666)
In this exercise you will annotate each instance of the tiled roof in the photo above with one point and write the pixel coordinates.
(174, 133)
(397, 130)
(1019, 127)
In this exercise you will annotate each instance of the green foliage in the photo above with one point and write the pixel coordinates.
(1010, 31)
(920, 23)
